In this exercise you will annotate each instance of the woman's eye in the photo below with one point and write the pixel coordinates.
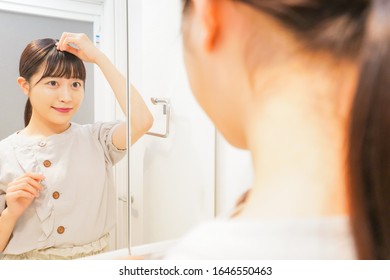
(52, 83)
(76, 84)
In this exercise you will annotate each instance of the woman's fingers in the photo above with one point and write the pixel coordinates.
(29, 182)
(36, 176)
(20, 194)
(79, 45)
(70, 41)
(25, 187)
(32, 178)
(61, 44)
(22, 191)
(34, 183)
(18, 201)
(70, 44)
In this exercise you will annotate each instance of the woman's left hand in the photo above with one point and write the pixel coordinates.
(80, 45)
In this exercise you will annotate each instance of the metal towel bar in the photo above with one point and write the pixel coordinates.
(165, 102)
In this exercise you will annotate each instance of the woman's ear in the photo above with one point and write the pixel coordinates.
(24, 85)
(206, 10)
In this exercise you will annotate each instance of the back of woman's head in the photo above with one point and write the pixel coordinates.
(359, 31)
(43, 52)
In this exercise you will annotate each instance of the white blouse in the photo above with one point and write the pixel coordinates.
(317, 238)
(78, 203)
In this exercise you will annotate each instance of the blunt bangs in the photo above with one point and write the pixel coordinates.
(63, 65)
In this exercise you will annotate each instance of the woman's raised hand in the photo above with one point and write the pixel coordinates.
(80, 45)
(21, 193)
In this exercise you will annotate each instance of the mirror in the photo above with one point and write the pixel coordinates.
(183, 172)
(172, 169)
(104, 21)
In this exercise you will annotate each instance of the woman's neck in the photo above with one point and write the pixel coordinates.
(297, 142)
(42, 128)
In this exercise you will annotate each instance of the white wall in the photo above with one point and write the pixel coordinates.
(172, 180)
(234, 175)
(193, 174)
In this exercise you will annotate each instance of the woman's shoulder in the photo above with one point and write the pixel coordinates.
(6, 143)
(94, 127)
(6, 148)
(77, 130)
(322, 238)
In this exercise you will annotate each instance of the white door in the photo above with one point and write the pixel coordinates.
(172, 179)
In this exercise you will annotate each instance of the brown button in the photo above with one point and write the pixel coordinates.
(56, 195)
(47, 163)
(60, 230)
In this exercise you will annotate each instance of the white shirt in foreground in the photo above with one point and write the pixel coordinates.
(301, 239)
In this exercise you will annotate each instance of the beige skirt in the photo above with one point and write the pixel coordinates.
(90, 249)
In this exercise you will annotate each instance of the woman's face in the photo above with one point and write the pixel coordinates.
(55, 100)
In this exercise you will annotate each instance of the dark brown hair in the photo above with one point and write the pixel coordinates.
(57, 64)
(359, 30)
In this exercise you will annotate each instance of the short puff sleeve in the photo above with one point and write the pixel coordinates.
(103, 132)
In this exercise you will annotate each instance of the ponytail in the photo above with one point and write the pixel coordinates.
(369, 140)
(27, 112)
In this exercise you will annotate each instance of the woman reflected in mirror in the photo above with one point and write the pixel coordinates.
(57, 193)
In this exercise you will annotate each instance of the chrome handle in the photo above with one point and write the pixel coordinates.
(166, 111)
(122, 198)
